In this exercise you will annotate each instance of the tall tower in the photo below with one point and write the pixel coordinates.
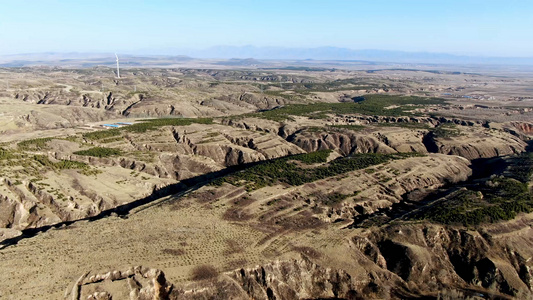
(118, 70)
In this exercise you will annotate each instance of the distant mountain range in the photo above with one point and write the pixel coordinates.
(278, 53)
(335, 53)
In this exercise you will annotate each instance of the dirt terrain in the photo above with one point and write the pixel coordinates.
(265, 184)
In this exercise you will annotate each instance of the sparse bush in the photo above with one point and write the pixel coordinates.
(34, 144)
(445, 132)
(175, 252)
(5, 154)
(349, 127)
(308, 251)
(71, 164)
(43, 160)
(60, 165)
(331, 199)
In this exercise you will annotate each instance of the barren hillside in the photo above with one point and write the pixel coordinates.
(263, 184)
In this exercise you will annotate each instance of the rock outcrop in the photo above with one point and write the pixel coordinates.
(475, 143)
(524, 127)
(431, 257)
(345, 143)
(290, 279)
(398, 261)
(139, 283)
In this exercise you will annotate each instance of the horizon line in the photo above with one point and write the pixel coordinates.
(145, 52)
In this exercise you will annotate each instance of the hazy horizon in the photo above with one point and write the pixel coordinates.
(175, 51)
(472, 28)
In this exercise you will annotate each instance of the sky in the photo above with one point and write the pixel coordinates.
(464, 27)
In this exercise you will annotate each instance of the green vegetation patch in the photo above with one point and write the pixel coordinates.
(111, 140)
(102, 134)
(348, 84)
(349, 127)
(313, 157)
(499, 198)
(153, 124)
(60, 165)
(446, 131)
(384, 105)
(412, 125)
(34, 144)
(5, 154)
(285, 170)
(99, 152)
(522, 169)
(334, 128)
(283, 94)
(331, 199)
(114, 134)
(71, 164)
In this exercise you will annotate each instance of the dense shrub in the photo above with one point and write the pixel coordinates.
(284, 170)
(372, 105)
(102, 134)
(99, 152)
(499, 198)
(320, 156)
(153, 124)
(445, 131)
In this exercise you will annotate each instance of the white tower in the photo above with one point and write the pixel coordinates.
(118, 70)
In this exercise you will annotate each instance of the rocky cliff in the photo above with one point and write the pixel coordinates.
(431, 257)
(400, 261)
(474, 143)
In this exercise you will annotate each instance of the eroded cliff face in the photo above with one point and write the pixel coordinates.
(136, 283)
(388, 186)
(395, 262)
(429, 257)
(183, 152)
(475, 143)
(469, 139)
(407, 120)
(290, 279)
(344, 143)
(524, 127)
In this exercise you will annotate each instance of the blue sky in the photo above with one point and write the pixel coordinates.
(473, 27)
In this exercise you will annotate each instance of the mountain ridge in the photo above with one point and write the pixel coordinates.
(285, 53)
